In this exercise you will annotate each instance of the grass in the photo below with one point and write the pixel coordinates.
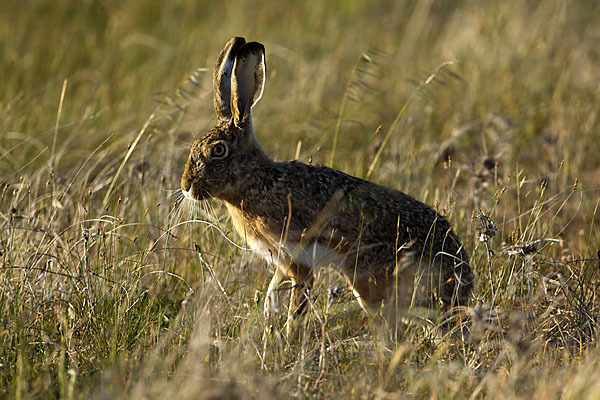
(108, 288)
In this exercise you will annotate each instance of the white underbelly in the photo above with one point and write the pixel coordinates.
(313, 255)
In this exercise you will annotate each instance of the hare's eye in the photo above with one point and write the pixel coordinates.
(219, 150)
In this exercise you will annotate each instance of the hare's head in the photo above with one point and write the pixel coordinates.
(221, 159)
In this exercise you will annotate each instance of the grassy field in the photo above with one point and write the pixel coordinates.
(110, 288)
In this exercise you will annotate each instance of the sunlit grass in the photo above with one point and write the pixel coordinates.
(111, 286)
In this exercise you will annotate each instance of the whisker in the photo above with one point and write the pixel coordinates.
(209, 224)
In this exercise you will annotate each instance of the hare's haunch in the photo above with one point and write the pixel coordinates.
(388, 245)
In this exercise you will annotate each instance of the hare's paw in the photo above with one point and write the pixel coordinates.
(271, 303)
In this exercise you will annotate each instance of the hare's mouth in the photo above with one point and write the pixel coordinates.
(193, 195)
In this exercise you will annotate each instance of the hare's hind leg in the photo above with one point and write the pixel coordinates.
(374, 288)
(369, 294)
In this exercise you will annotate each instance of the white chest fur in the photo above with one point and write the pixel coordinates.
(313, 255)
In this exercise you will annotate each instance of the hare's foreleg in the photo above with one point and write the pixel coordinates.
(302, 281)
(271, 302)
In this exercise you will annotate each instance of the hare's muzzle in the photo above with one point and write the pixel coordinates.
(186, 183)
(190, 191)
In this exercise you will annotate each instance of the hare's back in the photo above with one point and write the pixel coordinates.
(357, 210)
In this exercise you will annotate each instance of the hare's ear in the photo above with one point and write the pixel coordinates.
(248, 81)
(222, 78)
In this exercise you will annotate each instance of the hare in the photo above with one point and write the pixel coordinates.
(390, 247)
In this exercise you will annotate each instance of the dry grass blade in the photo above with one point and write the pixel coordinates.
(130, 150)
(419, 90)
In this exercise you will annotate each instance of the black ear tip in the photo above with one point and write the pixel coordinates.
(237, 40)
(231, 48)
(251, 48)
